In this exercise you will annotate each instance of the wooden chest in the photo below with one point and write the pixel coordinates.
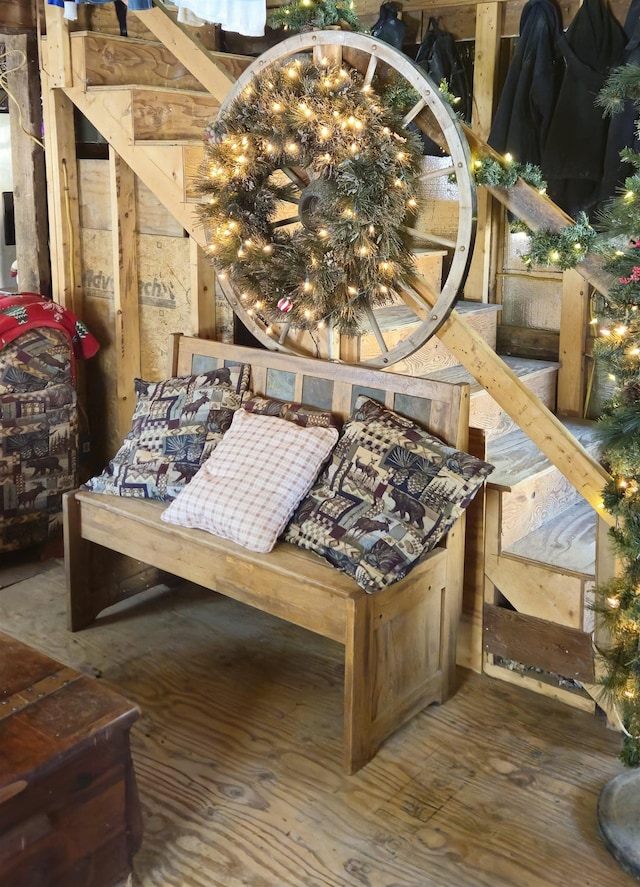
(69, 814)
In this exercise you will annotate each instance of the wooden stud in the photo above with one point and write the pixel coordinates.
(573, 334)
(488, 24)
(58, 55)
(62, 194)
(203, 295)
(125, 288)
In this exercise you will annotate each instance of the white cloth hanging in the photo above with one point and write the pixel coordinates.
(247, 17)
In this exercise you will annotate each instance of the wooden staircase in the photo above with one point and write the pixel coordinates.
(154, 128)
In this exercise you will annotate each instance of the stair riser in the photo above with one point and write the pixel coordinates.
(174, 117)
(433, 355)
(113, 61)
(486, 413)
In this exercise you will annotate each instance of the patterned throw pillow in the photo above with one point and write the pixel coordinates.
(389, 494)
(176, 425)
(251, 484)
(292, 412)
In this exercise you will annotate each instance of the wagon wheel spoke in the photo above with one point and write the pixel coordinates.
(445, 223)
(370, 72)
(376, 329)
(428, 237)
(413, 113)
(437, 173)
(281, 223)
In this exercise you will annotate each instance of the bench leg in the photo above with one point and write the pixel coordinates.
(358, 744)
(77, 562)
(98, 577)
(397, 659)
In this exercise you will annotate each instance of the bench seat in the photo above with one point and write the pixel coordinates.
(399, 642)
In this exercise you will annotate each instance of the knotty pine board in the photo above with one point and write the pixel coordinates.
(236, 750)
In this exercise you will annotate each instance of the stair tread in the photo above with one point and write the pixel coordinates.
(394, 316)
(153, 90)
(517, 458)
(521, 366)
(566, 541)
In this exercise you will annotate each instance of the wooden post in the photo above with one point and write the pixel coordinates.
(125, 287)
(488, 25)
(573, 334)
(62, 192)
(203, 293)
(28, 163)
(58, 54)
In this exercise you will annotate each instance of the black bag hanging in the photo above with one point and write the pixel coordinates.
(389, 28)
(439, 57)
(121, 12)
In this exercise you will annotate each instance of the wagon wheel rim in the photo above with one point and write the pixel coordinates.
(428, 306)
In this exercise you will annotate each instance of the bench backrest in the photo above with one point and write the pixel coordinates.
(440, 407)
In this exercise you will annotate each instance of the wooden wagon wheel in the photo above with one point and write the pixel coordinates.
(427, 305)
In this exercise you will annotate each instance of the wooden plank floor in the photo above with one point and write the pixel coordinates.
(237, 755)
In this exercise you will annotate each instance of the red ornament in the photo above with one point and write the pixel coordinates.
(285, 305)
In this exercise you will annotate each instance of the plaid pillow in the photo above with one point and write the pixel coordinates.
(251, 484)
(176, 425)
(389, 494)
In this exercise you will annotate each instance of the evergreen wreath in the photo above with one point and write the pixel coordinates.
(345, 248)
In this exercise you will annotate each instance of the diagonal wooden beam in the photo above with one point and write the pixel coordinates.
(202, 64)
(159, 167)
(548, 433)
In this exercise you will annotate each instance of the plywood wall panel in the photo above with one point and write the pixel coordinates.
(165, 299)
(95, 206)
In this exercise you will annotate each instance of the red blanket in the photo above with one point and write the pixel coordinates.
(26, 310)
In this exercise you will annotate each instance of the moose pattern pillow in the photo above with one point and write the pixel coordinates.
(176, 425)
(389, 494)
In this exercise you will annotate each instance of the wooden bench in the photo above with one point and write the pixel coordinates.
(69, 813)
(400, 643)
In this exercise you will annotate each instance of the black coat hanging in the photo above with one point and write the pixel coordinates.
(532, 85)
(574, 151)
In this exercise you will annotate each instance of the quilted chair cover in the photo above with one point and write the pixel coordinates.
(38, 435)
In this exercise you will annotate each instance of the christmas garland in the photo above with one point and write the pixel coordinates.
(489, 171)
(343, 248)
(304, 15)
(562, 249)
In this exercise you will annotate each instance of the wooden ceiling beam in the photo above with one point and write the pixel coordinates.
(17, 17)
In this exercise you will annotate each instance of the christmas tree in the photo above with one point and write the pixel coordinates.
(618, 350)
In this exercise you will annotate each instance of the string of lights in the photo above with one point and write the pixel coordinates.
(309, 181)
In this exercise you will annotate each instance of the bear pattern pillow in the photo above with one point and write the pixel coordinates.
(176, 425)
(251, 484)
(389, 494)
